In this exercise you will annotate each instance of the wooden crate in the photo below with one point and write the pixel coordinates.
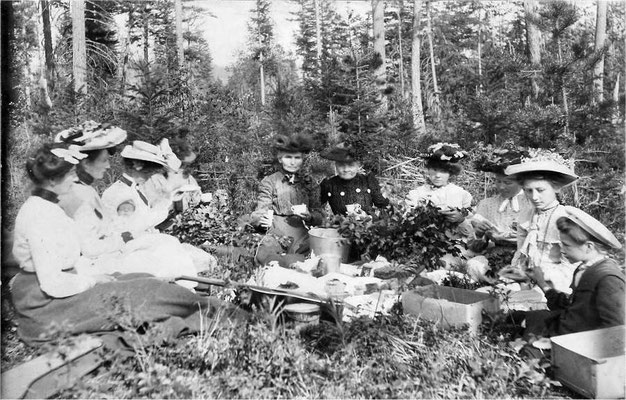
(449, 306)
(592, 362)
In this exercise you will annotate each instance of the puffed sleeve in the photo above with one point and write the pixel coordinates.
(378, 199)
(264, 200)
(50, 263)
(610, 301)
(414, 197)
(466, 199)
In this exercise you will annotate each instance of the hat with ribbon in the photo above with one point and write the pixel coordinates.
(592, 226)
(91, 135)
(293, 144)
(145, 151)
(70, 155)
(543, 161)
(340, 153)
(173, 162)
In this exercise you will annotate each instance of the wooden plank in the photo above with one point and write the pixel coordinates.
(48, 368)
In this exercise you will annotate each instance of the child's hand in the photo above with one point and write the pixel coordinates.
(453, 216)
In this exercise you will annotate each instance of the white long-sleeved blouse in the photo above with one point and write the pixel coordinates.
(47, 243)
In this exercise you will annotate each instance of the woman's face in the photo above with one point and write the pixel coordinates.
(96, 167)
(63, 185)
(438, 177)
(347, 170)
(506, 186)
(540, 192)
(291, 162)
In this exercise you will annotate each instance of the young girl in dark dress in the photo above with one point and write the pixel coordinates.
(351, 190)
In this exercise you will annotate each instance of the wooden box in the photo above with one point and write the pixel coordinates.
(449, 306)
(591, 362)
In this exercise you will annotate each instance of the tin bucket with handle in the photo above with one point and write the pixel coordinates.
(329, 241)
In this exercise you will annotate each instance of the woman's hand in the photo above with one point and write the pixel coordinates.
(536, 275)
(453, 216)
(482, 227)
(266, 221)
(305, 215)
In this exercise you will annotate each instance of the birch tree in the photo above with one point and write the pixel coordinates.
(79, 52)
(178, 11)
(598, 70)
(380, 70)
(533, 43)
(417, 108)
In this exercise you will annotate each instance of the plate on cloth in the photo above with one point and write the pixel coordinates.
(542, 344)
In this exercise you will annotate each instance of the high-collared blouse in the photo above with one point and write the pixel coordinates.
(448, 196)
(47, 243)
(538, 237)
(280, 191)
(501, 211)
(362, 189)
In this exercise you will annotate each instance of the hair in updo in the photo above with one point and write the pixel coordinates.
(43, 166)
(556, 180)
(452, 168)
(148, 168)
(93, 154)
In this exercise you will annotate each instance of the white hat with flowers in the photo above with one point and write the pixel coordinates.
(541, 160)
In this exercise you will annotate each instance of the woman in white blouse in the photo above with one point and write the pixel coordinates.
(49, 295)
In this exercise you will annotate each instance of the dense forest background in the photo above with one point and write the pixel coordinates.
(480, 73)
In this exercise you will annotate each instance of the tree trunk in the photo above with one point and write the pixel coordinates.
(417, 108)
(318, 37)
(429, 32)
(380, 71)
(146, 35)
(479, 89)
(47, 42)
(79, 50)
(533, 43)
(401, 71)
(598, 70)
(178, 9)
(261, 74)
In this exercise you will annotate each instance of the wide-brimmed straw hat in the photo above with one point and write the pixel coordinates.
(592, 226)
(293, 144)
(551, 163)
(144, 151)
(91, 135)
(340, 153)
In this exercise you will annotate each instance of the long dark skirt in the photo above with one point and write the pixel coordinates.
(134, 303)
(273, 249)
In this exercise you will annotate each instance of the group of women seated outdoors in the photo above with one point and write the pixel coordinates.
(83, 255)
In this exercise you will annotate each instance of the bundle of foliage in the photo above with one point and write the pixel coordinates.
(415, 236)
(213, 225)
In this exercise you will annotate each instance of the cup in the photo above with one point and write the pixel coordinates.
(298, 209)
(206, 197)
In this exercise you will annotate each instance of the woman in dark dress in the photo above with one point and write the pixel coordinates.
(351, 191)
(288, 203)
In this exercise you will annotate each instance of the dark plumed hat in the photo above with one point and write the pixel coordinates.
(499, 159)
(340, 153)
(293, 144)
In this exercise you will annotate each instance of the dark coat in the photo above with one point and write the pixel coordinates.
(596, 302)
(362, 189)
